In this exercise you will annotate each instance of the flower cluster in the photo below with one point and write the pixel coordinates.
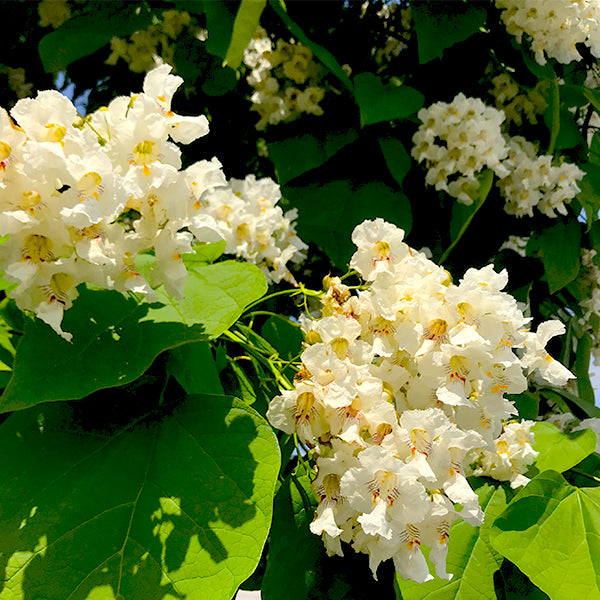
(17, 81)
(400, 387)
(555, 27)
(534, 182)
(254, 227)
(470, 140)
(589, 282)
(515, 103)
(81, 198)
(149, 47)
(54, 13)
(473, 140)
(285, 80)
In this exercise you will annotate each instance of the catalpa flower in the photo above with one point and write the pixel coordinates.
(402, 393)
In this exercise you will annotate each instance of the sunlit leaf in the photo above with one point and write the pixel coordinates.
(176, 505)
(551, 531)
(244, 28)
(560, 451)
(116, 339)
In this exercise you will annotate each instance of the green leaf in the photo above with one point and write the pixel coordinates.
(83, 35)
(589, 197)
(462, 214)
(471, 559)
(560, 246)
(285, 336)
(219, 22)
(244, 28)
(220, 81)
(293, 549)
(593, 96)
(296, 155)
(176, 505)
(581, 369)
(383, 102)
(328, 213)
(439, 28)
(561, 451)
(396, 158)
(204, 253)
(116, 339)
(551, 532)
(321, 53)
(194, 368)
(568, 135)
(246, 390)
(527, 403)
(515, 585)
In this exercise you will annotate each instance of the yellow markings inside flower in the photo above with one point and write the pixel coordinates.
(54, 132)
(143, 153)
(37, 249)
(89, 185)
(381, 250)
(5, 150)
(30, 201)
(59, 287)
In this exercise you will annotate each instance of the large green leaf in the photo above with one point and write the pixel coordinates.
(581, 369)
(116, 339)
(560, 451)
(560, 246)
(83, 35)
(383, 102)
(176, 505)
(440, 27)
(293, 549)
(328, 213)
(244, 28)
(551, 531)
(471, 559)
(296, 155)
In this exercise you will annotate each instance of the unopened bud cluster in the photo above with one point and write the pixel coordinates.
(554, 27)
(460, 139)
(147, 48)
(402, 390)
(81, 198)
(285, 80)
(516, 104)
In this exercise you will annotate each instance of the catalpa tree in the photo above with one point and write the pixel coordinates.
(299, 298)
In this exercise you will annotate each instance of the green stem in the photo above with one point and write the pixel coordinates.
(584, 474)
(293, 292)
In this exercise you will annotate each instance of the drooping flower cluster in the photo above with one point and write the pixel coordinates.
(285, 80)
(555, 27)
(515, 103)
(80, 199)
(152, 46)
(254, 227)
(472, 140)
(17, 81)
(534, 182)
(401, 386)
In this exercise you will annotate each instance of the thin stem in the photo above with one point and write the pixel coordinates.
(86, 121)
(584, 474)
